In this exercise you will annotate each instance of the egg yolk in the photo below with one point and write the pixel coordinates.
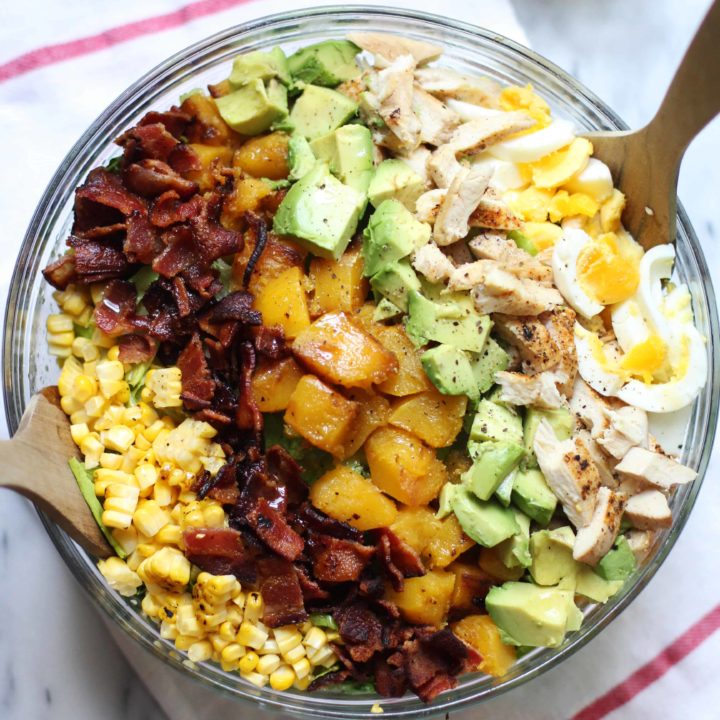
(645, 358)
(515, 97)
(608, 270)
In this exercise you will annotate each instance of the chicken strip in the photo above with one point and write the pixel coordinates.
(395, 98)
(589, 407)
(437, 121)
(432, 263)
(595, 539)
(446, 83)
(427, 206)
(560, 323)
(649, 510)
(467, 276)
(461, 199)
(570, 473)
(496, 246)
(387, 48)
(493, 212)
(654, 469)
(418, 161)
(603, 462)
(536, 390)
(532, 339)
(503, 292)
(627, 427)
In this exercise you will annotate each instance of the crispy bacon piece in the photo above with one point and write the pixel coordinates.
(197, 382)
(137, 348)
(397, 558)
(360, 629)
(61, 272)
(248, 416)
(175, 120)
(221, 552)
(272, 528)
(270, 341)
(142, 243)
(169, 209)
(147, 140)
(311, 589)
(336, 560)
(151, 178)
(286, 472)
(97, 260)
(313, 520)
(115, 313)
(390, 681)
(104, 200)
(281, 593)
(259, 229)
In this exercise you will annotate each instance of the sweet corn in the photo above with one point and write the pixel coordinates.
(80, 416)
(170, 534)
(214, 516)
(60, 323)
(167, 569)
(301, 668)
(79, 432)
(120, 503)
(227, 631)
(251, 635)
(96, 406)
(92, 449)
(119, 576)
(287, 638)
(70, 404)
(126, 538)
(270, 647)
(187, 623)
(282, 678)
(84, 387)
(268, 664)
(233, 652)
(248, 662)
(162, 493)
(185, 642)
(255, 678)
(84, 349)
(315, 638)
(150, 606)
(168, 631)
(200, 651)
(146, 476)
(165, 386)
(295, 655)
(218, 643)
(70, 370)
(110, 461)
(149, 518)
(254, 607)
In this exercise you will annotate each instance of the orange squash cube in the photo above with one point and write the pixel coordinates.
(346, 495)
(403, 466)
(245, 195)
(435, 418)
(374, 411)
(447, 544)
(491, 563)
(208, 127)
(277, 257)
(481, 633)
(282, 301)
(341, 352)
(212, 157)
(338, 285)
(265, 156)
(411, 377)
(471, 586)
(273, 383)
(425, 600)
(416, 526)
(321, 415)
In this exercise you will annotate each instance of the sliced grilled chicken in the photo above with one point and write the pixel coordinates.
(627, 428)
(474, 136)
(537, 390)
(589, 407)
(496, 246)
(503, 292)
(603, 462)
(432, 263)
(427, 206)
(467, 276)
(648, 510)
(570, 473)
(654, 469)
(443, 166)
(595, 539)
(560, 323)
(395, 99)
(640, 542)
(437, 121)
(446, 83)
(493, 212)
(387, 48)
(532, 339)
(418, 161)
(461, 199)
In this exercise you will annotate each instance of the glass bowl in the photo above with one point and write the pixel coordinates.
(27, 365)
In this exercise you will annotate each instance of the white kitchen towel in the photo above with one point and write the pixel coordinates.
(60, 65)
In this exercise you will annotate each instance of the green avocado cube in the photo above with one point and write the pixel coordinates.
(449, 370)
(492, 463)
(259, 65)
(327, 63)
(619, 563)
(392, 233)
(561, 420)
(504, 490)
(485, 364)
(395, 179)
(486, 522)
(594, 587)
(253, 108)
(523, 241)
(394, 282)
(515, 551)
(496, 422)
(552, 558)
(319, 111)
(301, 158)
(386, 310)
(533, 496)
(320, 213)
(348, 151)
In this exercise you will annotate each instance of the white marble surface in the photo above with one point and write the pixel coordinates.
(56, 659)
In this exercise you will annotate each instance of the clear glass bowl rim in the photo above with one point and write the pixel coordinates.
(17, 392)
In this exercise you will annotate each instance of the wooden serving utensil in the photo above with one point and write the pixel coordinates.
(645, 163)
(35, 464)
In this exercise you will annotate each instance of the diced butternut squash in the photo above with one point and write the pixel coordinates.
(410, 378)
(265, 156)
(364, 317)
(282, 301)
(338, 285)
(403, 466)
(341, 352)
(212, 157)
(425, 600)
(373, 413)
(245, 195)
(471, 586)
(433, 417)
(447, 544)
(207, 126)
(277, 257)
(274, 382)
(346, 495)
(491, 563)
(320, 414)
(481, 633)
(416, 526)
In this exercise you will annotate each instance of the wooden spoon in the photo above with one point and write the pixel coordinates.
(645, 163)
(35, 464)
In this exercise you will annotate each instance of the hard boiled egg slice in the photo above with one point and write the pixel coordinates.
(689, 379)
(594, 180)
(505, 175)
(564, 266)
(467, 111)
(533, 146)
(597, 362)
(628, 324)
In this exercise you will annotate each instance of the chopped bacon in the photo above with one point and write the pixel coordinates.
(104, 200)
(175, 121)
(142, 243)
(137, 348)
(270, 341)
(248, 416)
(281, 593)
(311, 589)
(329, 679)
(315, 521)
(259, 228)
(390, 681)
(149, 140)
(221, 552)
(96, 260)
(197, 383)
(286, 472)
(169, 209)
(151, 178)
(61, 272)
(115, 312)
(397, 558)
(272, 528)
(336, 560)
(360, 629)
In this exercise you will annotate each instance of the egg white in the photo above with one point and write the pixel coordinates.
(504, 176)
(468, 111)
(628, 324)
(594, 180)
(591, 371)
(535, 145)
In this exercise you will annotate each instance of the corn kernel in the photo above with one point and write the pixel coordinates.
(251, 635)
(168, 631)
(218, 643)
(162, 493)
(302, 683)
(141, 442)
(268, 664)
(149, 518)
(150, 606)
(187, 623)
(92, 449)
(74, 303)
(270, 647)
(185, 642)
(96, 406)
(167, 569)
(282, 678)
(70, 404)
(301, 668)
(130, 460)
(56, 324)
(324, 656)
(254, 607)
(332, 636)
(165, 385)
(79, 432)
(315, 638)
(233, 652)
(200, 651)
(120, 503)
(255, 678)
(58, 351)
(84, 388)
(214, 516)
(119, 576)
(235, 615)
(83, 348)
(110, 461)
(71, 369)
(79, 417)
(248, 662)
(170, 534)
(146, 475)
(111, 368)
(126, 538)
(295, 655)
(227, 631)
(113, 354)
(89, 368)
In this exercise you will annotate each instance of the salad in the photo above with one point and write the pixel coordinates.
(359, 357)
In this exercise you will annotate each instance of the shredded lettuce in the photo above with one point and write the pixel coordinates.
(84, 479)
(143, 279)
(135, 378)
(225, 271)
(85, 332)
(113, 164)
(323, 620)
(353, 687)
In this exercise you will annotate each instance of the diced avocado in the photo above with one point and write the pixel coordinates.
(533, 496)
(348, 151)
(492, 463)
(531, 615)
(259, 65)
(445, 500)
(301, 158)
(395, 282)
(619, 563)
(395, 179)
(327, 63)
(552, 558)
(452, 321)
(515, 551)
(590, 585)
(504, 490)
(492, 359)
(319, 111)
(320, 212)
(486, 522)
(253, 108)
(495, 422)
(523, 242)
(561, 420)
(392, 233)
(386, 310)
(449, 370)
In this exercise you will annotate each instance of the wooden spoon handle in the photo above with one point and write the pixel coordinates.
(693, 98)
